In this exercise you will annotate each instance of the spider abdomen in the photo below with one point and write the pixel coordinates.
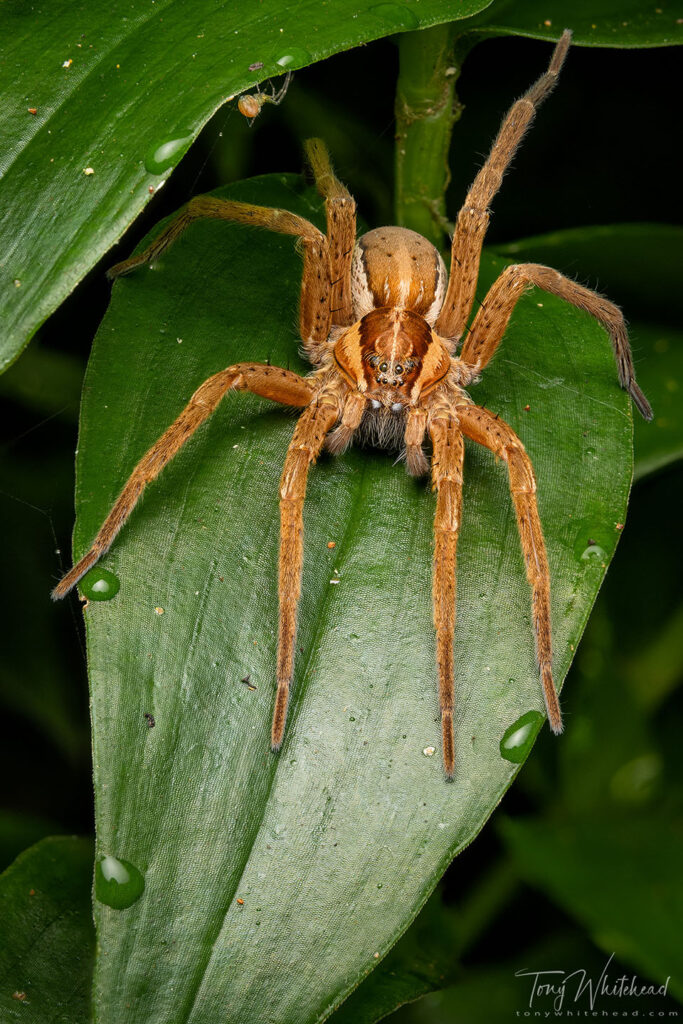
(397, 267)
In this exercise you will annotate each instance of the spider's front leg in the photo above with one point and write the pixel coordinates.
(447, 463)
(309, 438)
(268, 381)
(488, 430)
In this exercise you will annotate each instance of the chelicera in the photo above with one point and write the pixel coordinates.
(381, 321)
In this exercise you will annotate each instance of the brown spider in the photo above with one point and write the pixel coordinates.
(380, 322)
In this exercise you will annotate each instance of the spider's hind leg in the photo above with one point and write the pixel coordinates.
(473, 218)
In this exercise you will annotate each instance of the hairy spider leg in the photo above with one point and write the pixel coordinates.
(473, 218)
(267, 381)
(340, 210)
(447, 463)
(492, 318)
(315, 317)
(482, 426)
(309, 438)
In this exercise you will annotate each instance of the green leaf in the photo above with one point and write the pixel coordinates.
(593, 22)
(623, 884)
(428, 957)
(636, 265)
(123, 89)
(424, 959)
(334, 844)
(47, 943)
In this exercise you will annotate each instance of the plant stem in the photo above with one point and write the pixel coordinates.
(426, 109)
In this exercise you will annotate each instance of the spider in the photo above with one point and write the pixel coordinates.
(380, 320)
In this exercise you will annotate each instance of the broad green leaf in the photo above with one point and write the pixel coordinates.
(593, 22)
(424, 959)
(47, 937)
(334, 844)
(121, 90)
(428, 956)
(623, 883)
(636, 265)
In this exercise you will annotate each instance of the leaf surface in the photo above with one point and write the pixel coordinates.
(335, 844)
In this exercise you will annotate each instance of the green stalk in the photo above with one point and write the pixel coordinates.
(426, 110)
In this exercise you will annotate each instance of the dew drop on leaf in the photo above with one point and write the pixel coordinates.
(518, 738)
(164, 154)
(395, 16)
(100, 585)
(296, 55)
(118, 883)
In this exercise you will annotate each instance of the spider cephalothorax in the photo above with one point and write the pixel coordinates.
(380, 321)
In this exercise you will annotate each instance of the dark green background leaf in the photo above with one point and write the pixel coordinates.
(335, 844)
(624, 884)
(594, 22)
(47, 939)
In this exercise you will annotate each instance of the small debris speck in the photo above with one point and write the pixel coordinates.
(33, 110)
(526, 408)
(67, 63)
(149, 718)
(547, 22)
(32, 892)
(618, 526)
(17, 283)
(158, 610)
(241, 902)
(150, 189)
(429, 751)
(334, 581)
(179, 340)
(331, 544)
(88, 171)
(256, 66)
(375, 956)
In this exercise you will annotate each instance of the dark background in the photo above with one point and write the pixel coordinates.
(603, 150)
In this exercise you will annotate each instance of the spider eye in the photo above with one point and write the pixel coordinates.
(383, 367)
(399, 368)
(373, 360)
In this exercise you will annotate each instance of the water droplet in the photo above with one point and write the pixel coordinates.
(519, 737)
(429, 751)
(593, 544)
(162, 155)
(352, 718)
(118, 883)
(100, 585)
(591, 452)
(394, 16)
(296, 56)
(380, 884)
(511, 681)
